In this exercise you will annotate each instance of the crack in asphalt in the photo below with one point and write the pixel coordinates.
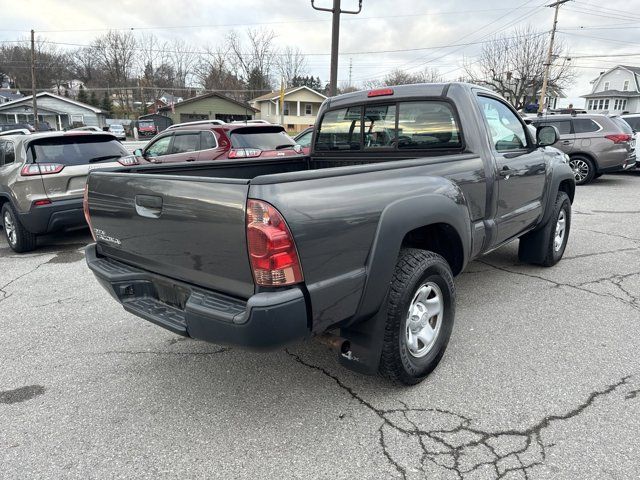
(151, 352)
(616, 235)
(447, 442)
(6, 294)
(594, 254)
(633, 303)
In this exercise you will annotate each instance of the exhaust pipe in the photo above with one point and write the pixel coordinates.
(335, 342)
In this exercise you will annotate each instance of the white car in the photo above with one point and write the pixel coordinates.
(197, 122)
(118, 131)
(88, 129)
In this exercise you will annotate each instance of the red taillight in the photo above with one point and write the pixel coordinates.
(272, 251)
(619, 137)
(40, 203)
(85, 209)
(380, 92)
(244, 152)
(41, 169)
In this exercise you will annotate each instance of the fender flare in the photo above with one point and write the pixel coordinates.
(560, 173)
(398, 219)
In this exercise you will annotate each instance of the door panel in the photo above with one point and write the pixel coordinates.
(520, 169)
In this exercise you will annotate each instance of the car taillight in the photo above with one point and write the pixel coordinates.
(272, 251)
(244, 152)
(41, 203)
(128, 160)
(618, 137)
(85, 209)
(380, 92)
(41, 169)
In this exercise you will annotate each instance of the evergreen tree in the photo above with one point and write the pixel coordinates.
(93, 99)
(106, 104)
(82, 95)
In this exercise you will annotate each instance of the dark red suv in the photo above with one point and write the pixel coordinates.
(201, 142)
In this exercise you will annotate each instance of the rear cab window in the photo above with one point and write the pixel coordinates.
(403, 126)
(75, 149)
(261, 138)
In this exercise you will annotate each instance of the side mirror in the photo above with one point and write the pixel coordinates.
(138, 152)
(547, 135)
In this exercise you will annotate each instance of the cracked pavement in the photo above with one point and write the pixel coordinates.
(541, 379)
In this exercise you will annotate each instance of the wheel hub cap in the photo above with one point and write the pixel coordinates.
(580, 169)
(10, 228)
(424, 319)
(561, 226)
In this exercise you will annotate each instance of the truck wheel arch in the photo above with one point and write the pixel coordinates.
(444, 227)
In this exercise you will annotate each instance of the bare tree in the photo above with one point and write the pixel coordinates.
(290, 63)
(115, 53)
(183, 58)
(403, 77)
(253, 65)
(213, 72)
(513, 66)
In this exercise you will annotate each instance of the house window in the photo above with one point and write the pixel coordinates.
(606, 104)
(606, 85)
(77, 118)
(615, 104)
(625, 87)
(624, 105)
(308, 109)
(590, 105)
(286, 108)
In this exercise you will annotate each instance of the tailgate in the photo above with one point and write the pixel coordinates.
(188, 228)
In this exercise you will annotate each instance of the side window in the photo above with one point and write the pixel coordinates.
(506, 130)
(585, 125)
(427, 125)
(1, 152)
(305, 139)
(379, 126)
(340, 130)
(9, 153)
(159, 147)
(207, 141)
(185, 142)
(563, 127)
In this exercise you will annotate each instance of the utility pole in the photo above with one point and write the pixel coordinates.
(547, 65)
(350, 67)
(335, 34)
(33, 80)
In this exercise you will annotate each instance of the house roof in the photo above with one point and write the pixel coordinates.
(52, 95)
(9, 95)
(276, 93)
(612, 93)
(209, 95)
(635, 70)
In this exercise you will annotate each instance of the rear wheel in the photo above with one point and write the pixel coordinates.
(18, 238)
(583, 169)
(420, 314)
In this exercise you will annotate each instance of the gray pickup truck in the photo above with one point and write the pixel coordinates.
(357, 243)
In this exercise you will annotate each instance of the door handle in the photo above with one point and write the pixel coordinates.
(506, 172)
(566, 142)
(149, 206)
(191, 159)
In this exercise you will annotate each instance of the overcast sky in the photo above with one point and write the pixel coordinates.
(587, 27)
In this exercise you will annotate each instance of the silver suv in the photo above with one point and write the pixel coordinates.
(42, 179)
(596, 144)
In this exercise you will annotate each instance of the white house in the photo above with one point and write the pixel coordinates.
(615, 91)
(301, 105)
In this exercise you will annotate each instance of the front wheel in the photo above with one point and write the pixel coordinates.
(546, 245)
(420, 314)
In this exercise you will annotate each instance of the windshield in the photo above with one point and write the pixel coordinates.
(75, 150)
(262, 139)
(146, 124)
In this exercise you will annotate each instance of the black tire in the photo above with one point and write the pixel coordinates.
(538, 247)
(416, 268)
(583, 168)
(23, 241)
(597, 175)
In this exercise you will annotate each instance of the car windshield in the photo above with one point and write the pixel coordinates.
(146, 124)
(75, 150)
(268, 138)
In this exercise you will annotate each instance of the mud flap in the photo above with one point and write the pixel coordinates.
(366, 339)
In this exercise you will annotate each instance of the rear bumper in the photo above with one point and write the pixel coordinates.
(59, 215)
(264, 321)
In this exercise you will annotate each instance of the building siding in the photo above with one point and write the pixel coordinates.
(210, 107)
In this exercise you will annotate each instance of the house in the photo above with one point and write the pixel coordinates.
(301, 105)
(615, 91)
(59, 112)
(168, 98)
(209, 106)
(7, 95)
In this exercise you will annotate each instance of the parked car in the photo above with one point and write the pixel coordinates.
(147, 128)
(17, 131)
(633, 120)
(42, 178)
(201, 142)
(304, 140)
(596, 144)
(255, 120)
(360, 237)
(118, 130)
(197, 122)
(16, 126)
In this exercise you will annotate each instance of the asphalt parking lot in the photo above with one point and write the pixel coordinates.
(541, 378)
